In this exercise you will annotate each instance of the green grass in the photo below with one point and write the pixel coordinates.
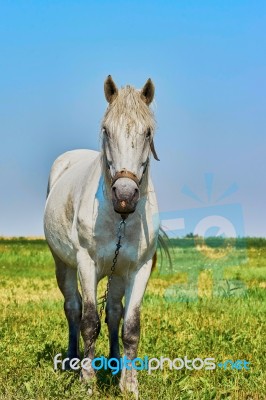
(212, 304)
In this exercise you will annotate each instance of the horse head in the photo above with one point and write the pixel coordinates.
(128, 129)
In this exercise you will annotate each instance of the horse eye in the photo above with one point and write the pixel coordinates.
(105, 132)
(148, 134)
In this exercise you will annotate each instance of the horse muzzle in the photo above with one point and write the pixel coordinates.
(125, 192)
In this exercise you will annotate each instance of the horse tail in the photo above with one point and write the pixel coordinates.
(163, 246)
(154, 261)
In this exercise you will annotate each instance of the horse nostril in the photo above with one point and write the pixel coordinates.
(114, 191)
(136, 194)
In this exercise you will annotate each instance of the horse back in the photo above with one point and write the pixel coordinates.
(67, 160)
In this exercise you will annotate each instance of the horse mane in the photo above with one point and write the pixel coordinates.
(129, 107)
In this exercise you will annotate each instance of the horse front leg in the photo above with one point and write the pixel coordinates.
(114, 312)
(135, 289)
(90, 322)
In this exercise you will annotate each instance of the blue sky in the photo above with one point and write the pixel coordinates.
(207, 60)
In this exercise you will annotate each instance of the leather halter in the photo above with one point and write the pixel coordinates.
(125, 174)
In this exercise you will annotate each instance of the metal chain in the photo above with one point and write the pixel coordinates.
(120, 235)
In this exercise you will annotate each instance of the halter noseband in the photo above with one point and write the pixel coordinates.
(125, 174)
(128, 174)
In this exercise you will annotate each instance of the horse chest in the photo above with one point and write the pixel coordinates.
(133, 253)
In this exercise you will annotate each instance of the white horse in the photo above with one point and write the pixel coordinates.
(88, 193)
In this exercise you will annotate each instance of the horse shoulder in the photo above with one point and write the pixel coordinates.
(70, 175)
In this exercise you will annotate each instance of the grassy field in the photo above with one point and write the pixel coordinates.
(211, 304)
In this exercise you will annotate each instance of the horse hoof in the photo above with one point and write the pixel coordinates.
(90, 382)
(129, 383)
(126, 390)
(87, 378)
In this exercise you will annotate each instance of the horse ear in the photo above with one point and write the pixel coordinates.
(147, 92)
(154, 151)
(110, 89)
